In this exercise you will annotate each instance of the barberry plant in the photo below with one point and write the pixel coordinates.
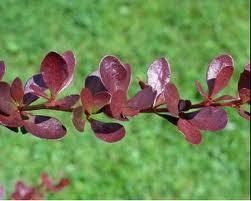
(36, 192)
(106, 91)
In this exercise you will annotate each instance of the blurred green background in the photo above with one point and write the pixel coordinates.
(153, 161)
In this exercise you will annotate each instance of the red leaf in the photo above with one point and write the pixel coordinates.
(45, 127)
(159, 74)
(200, 89)
(17, 91)
(244, 114)
(209, 118)
(23, 192)
(220, 81)
(144, 99)
(214, 68)
(87, 100)
(7, 104)
(114, 74)
(29, 93)
(244, 83)
(94, 84)
(108, 132)
(13, 120)
(77, 119)
(55, 72)
(67, 102)
(48, 183)
(71, 62)
(172, 98)
(117, 104)
(101, 99)
(2, 69)
(191, 132)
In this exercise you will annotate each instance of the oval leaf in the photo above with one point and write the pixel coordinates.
(94, 84)
(17, 91)
(209, 119)
(45, 127)
(108, 132)
(172, 99)
(7, 104)
(67, 102)
(55, 72)
(158, 74)
(113, 74)
(77, 119)
(191, 133)
(87, 100)
(144, 99)
(101, 99)
(214, 68)
(244, 83)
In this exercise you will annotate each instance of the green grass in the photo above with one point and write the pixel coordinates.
(153, 161)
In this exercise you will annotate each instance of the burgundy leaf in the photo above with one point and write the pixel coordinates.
(220, 81)
(200, 89)
(109, 132)
(55, 72)
(101, 99)
(94, 84)
(244, 84)
(117, 104)
(209, 118)
(160, 100)
(172, 98)
(2, 69)
(45, 127)
(7, 104)
(214, 68)
(49, 184)
(29, 94)
(159, 74)
(67, 102)
(184, 105)
(244, 114)
(190, 132)
(87, 100)
(17, 91)
(144, 99)
(77, 119)
(13, 120)
(114, 74)
(71, 62)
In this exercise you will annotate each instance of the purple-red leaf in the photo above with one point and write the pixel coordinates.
(244, 83)
(114, 74)
(101, 99)
(87, 100)
(71, 63)
(215, 70)
(29, 93)
(49, 184)
(17, 91)
(23, 192)
(172, 99)
(200, 89)
(55, 72)
(13, 120)
(108, 132)
(45, 127)
(94, 84)
(2, 69)
(209, 118)
(7, 104)
(77, 119)
(220, 81)
(190, 132)
(67, 102)
(117, 104)
(158, 74)
(144, 99)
